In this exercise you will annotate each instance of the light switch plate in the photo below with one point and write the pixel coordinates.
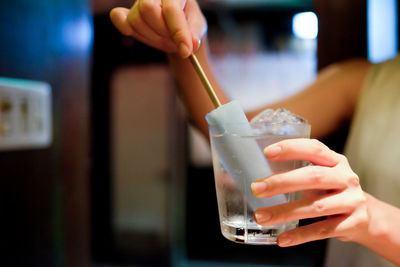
(25, 114)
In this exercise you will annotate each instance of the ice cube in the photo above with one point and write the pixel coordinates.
(278, 121)
(280, 115)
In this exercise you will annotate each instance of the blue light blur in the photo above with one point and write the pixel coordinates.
(78, 34)
(382, 30)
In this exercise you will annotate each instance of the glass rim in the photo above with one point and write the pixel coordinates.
(303, 128)
(305, 124)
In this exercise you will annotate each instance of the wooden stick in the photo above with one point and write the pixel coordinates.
(204, 80)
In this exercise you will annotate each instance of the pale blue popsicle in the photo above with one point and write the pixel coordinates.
(242, 158)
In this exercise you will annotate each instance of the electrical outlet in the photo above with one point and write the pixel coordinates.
(25, 114)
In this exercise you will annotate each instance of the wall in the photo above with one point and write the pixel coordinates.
(44, 193)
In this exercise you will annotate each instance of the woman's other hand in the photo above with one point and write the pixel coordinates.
(172, 26)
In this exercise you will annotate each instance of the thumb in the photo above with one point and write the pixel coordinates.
(178, 26)
(197, 23)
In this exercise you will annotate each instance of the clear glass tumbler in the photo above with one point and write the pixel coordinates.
(236, 159)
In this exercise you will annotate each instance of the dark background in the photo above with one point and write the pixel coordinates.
(55, 203)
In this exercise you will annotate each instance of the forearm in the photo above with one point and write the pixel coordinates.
(383, 235)
(175, 29)
(330, 100)
(191, 89)
(335, 92)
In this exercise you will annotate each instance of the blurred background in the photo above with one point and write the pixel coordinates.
(121, 178)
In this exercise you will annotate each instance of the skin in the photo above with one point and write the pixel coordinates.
(331, 189)
(330, 186)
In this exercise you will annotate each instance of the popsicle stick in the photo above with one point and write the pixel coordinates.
(204, 80)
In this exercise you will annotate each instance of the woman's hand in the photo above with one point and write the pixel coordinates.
(168, 25)
(330, 188)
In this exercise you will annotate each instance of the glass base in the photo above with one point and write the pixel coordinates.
(255, 234)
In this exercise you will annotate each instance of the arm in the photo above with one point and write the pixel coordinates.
(326, 103)
(331, 190)
(331, 99)
(176, 29)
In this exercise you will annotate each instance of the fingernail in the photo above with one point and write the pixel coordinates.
(196, 43)
(262, 217)
(284, 240)
(184, 50)
(258, 187)
(272, 151)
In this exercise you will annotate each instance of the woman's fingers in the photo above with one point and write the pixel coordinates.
(305, 178)
(333, 204)
(303, 149)
(178, 26)
(163, 45)
(342, 198)
(168, 25)
(130, 23)
(119, 17)
(345, 227)
(152, 14)
(334, 175)
(139, 25)
(328, 228)
(141, 28)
